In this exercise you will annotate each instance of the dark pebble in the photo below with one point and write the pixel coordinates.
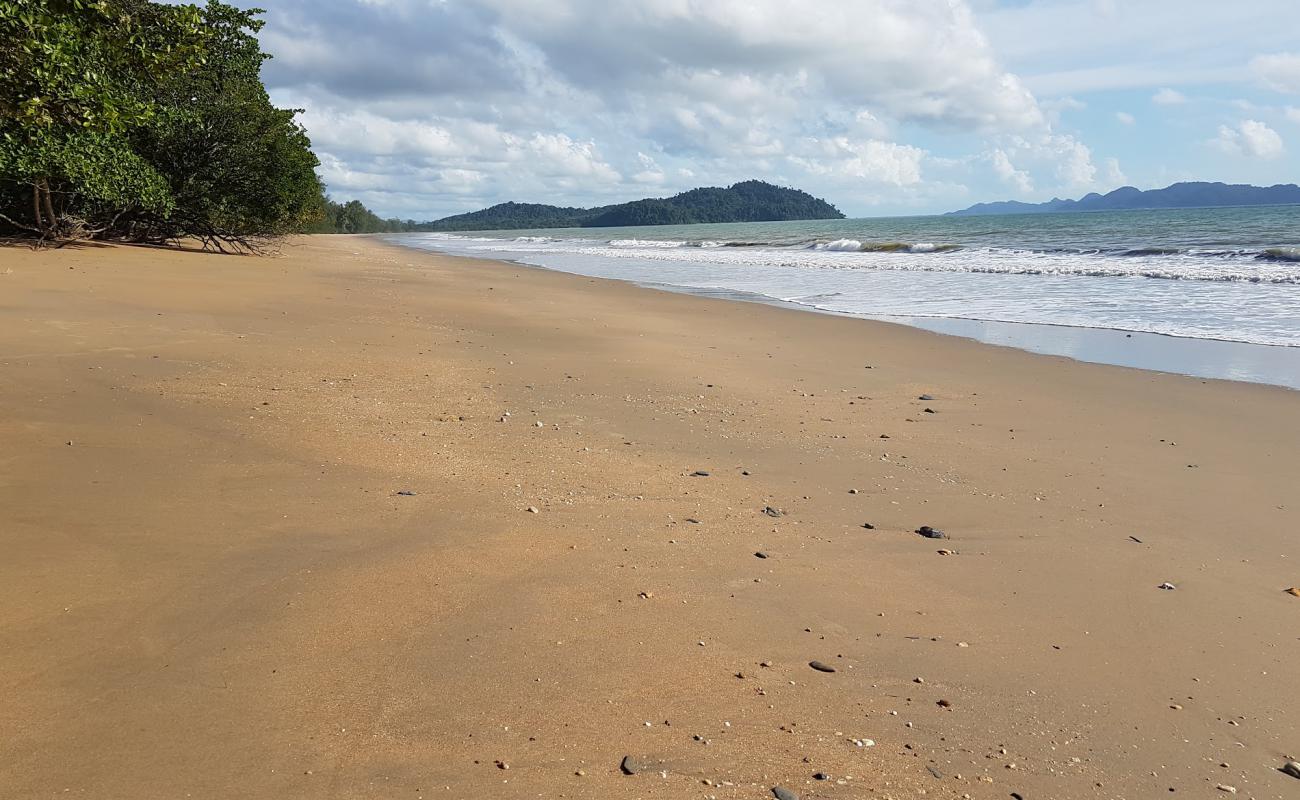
(760, 554)
(931, 533)
(868, 526)
(699, 473)
(406, 493)
(929, 410)
(821, 776)
(629, 765)
(820, 667)
(772, 512)
(925, 397)
(782, 793)
(936, 773)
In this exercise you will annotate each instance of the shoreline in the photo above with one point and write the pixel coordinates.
(1192, 356)
(365, 521)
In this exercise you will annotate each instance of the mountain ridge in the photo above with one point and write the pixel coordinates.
(1186, 194)
(746, 201)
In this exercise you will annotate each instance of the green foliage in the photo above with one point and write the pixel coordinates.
(146, 121)
(748, 201)
(353, 217)
(68, 64)
(236, 165)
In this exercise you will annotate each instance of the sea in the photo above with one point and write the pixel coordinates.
(1210, 292)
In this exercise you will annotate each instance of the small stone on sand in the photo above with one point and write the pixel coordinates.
(931, 533)
(629, 765)
(820, 667)
(782, 793)
(1292, 768)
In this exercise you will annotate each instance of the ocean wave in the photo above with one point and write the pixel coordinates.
(1277, 265)
(1287, 254)
(855, 246)
(665, 243)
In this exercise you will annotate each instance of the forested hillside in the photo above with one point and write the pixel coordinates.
(748, 201)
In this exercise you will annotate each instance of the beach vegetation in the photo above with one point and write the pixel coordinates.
(146, 122)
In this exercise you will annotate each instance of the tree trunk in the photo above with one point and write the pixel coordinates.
(36, 206)
(50, 217)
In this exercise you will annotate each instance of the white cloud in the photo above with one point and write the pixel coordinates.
(431, 108)
(1168, 97)
(1114, 176)
(1293, 114)
(1250, 138)
(1280, 71)
(1007, 171)
(1125, 118)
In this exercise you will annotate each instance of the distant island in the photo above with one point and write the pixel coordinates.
(1194, 194)
(747, 201)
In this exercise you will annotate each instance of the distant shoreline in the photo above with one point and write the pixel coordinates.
(1185, 195)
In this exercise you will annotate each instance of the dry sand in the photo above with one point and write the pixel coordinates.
(211, 589)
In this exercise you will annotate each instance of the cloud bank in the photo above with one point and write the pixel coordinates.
(428, 108)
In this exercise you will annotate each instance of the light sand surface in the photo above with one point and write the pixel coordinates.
(209, 588)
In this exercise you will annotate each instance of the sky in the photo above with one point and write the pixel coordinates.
(426, 108)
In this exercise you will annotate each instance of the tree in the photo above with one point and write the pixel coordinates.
(239, 169)
(73, 82)
(144, 121)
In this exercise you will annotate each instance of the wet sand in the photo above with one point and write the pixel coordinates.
(212, 587)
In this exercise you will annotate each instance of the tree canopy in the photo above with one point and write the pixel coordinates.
(144, 121)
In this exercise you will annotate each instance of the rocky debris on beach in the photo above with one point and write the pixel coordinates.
(760, 554)
(1293, 591)
(782, 793)
(629, 765)
(925, 397)
(1291, 768)
(1167, 586)
(404, 493)
(699, 473)
(532, 509)
(773, 512)
(931, 533)
(820, 667)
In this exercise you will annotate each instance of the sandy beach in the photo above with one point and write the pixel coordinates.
(364, 522)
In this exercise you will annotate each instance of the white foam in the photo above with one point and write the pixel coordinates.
(840, 245)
